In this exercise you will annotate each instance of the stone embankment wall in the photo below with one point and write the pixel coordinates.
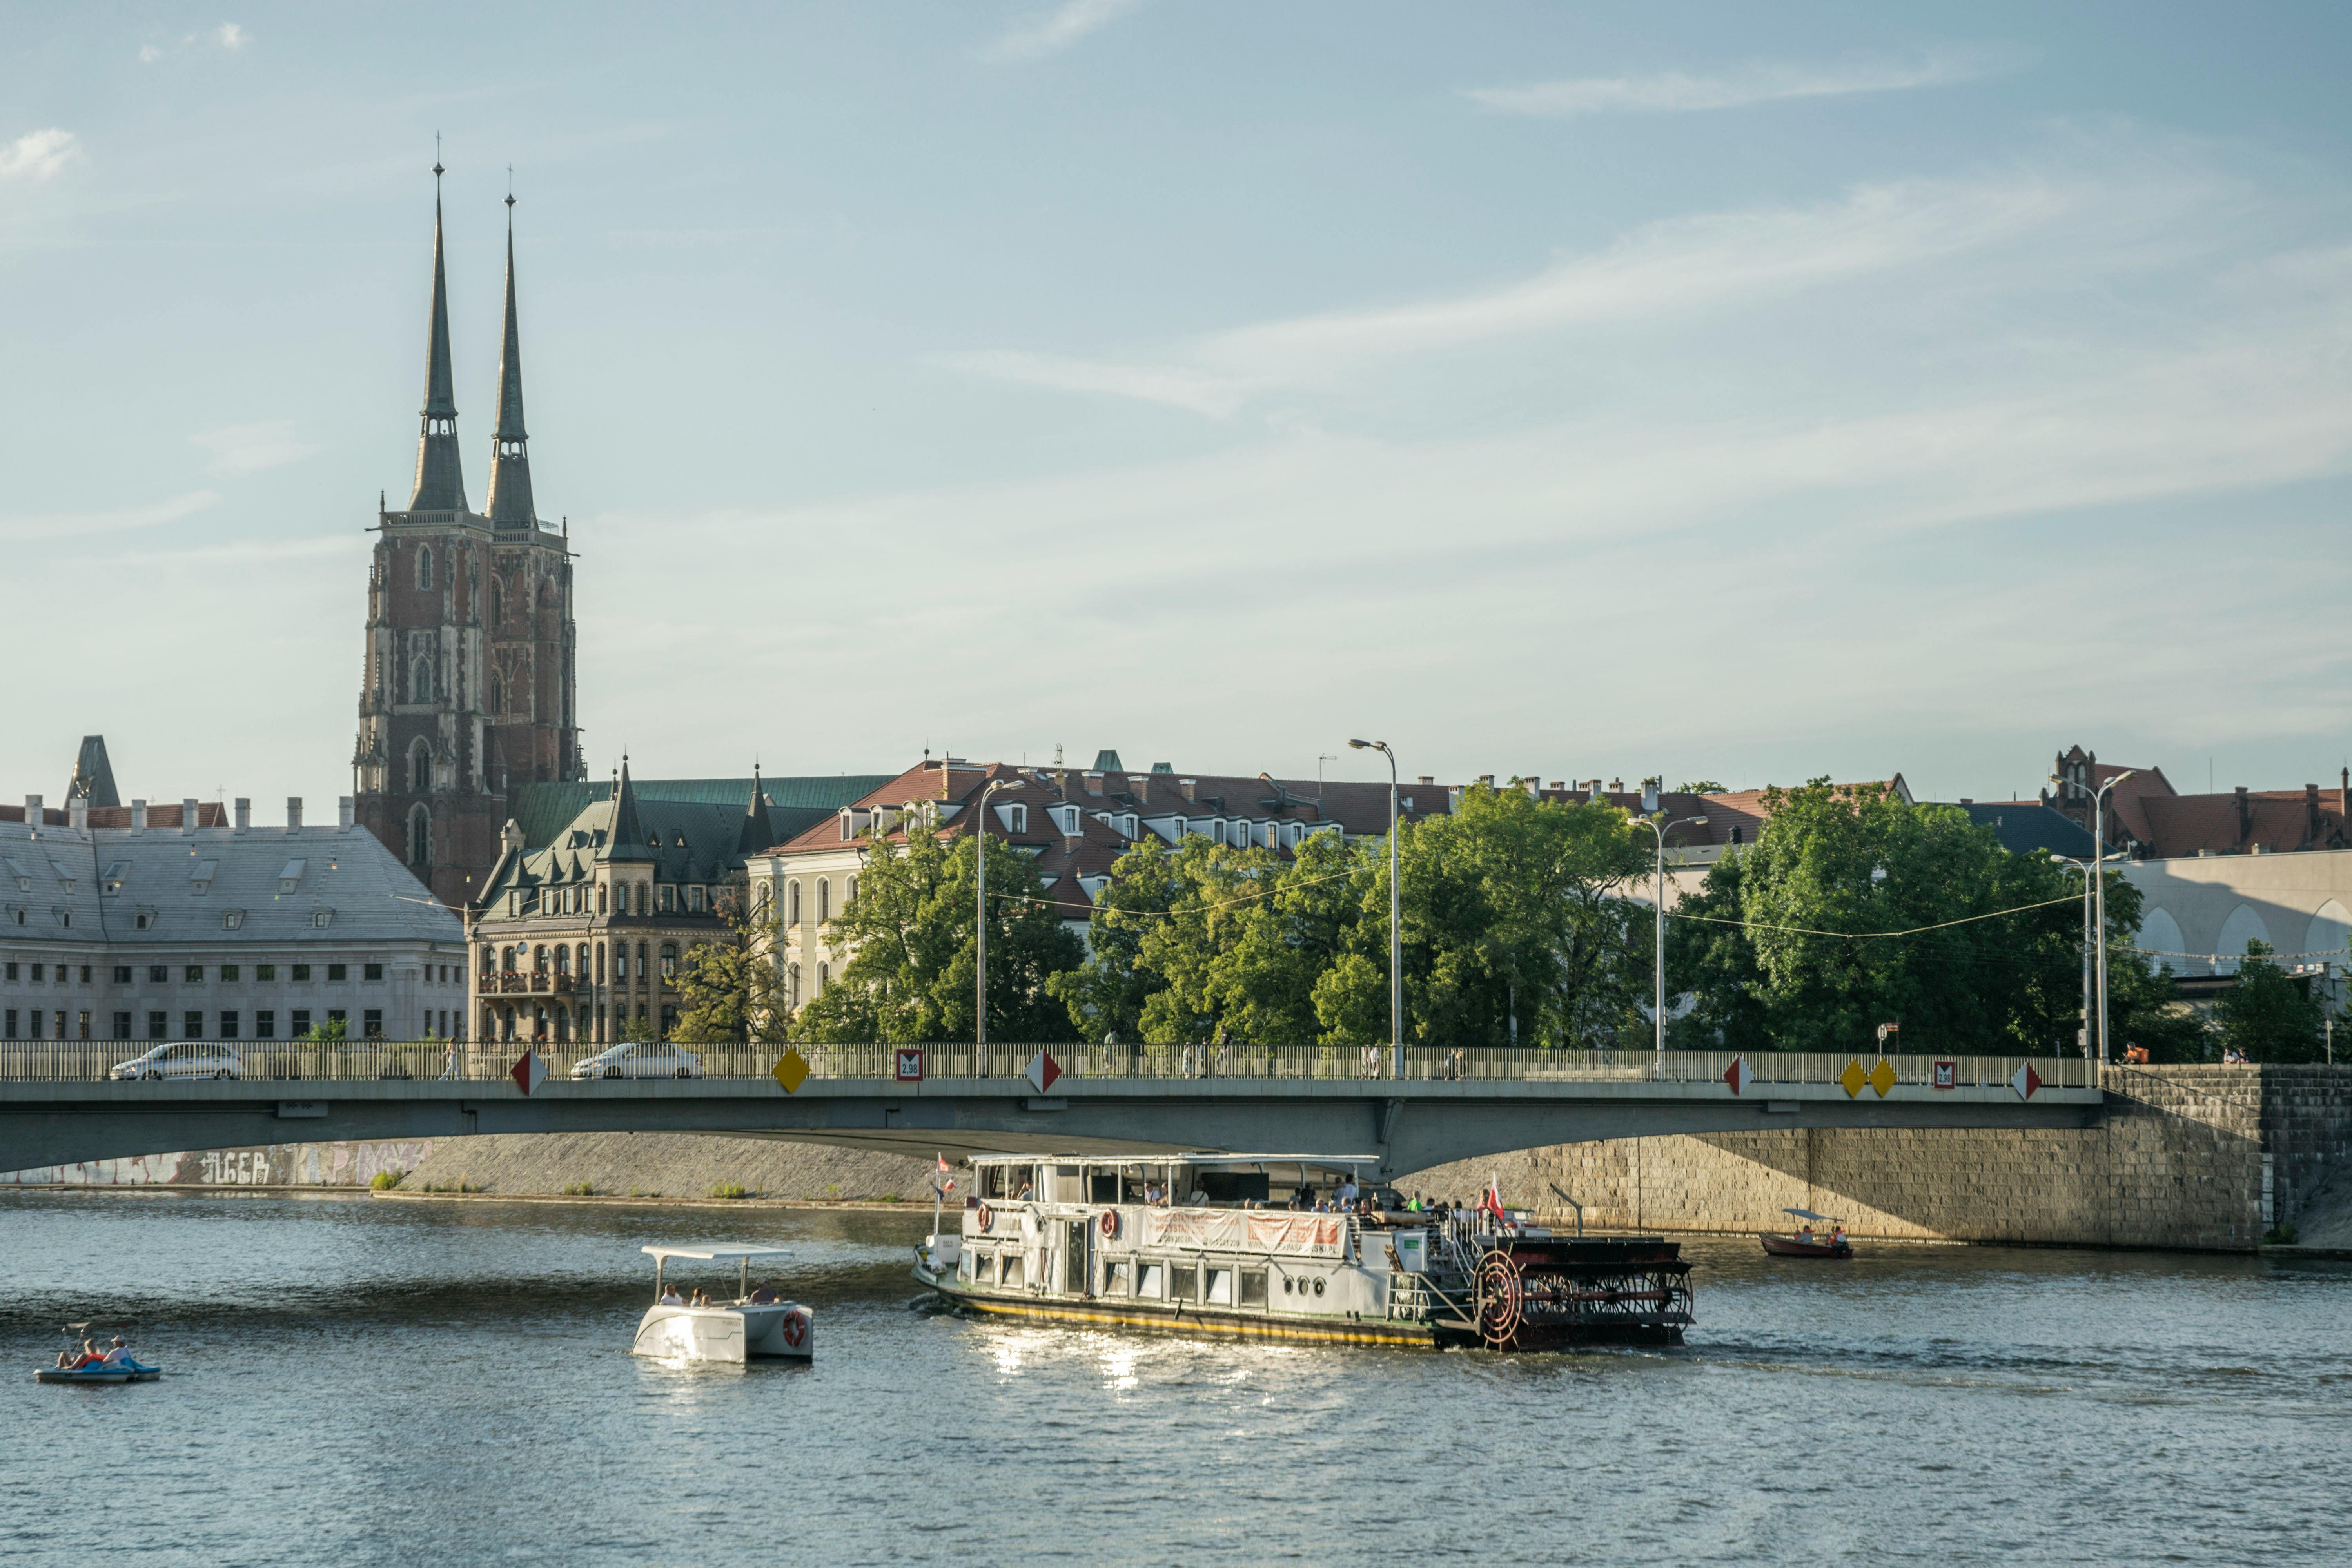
(2183, 1159)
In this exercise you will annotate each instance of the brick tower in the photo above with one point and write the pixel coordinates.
(467, 687)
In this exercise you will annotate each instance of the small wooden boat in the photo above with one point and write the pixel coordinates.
(1809, 1243)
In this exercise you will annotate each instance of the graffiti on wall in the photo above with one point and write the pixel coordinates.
(351, 1164)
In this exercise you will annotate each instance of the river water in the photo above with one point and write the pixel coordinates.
(416, 1382)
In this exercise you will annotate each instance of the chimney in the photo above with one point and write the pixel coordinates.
(1426, 778)
(244, 814)
(1186, 786)
(77, 813)
(33, 816)
(343, 813)
(2245, 816)
(293, 814)
(1556, 787)
(187, 813)
(1486, 779)
(1616, 787)
(138, 817)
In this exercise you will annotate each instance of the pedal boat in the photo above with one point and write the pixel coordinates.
(1808, 1244)
(743, 1329)
(121, 1372)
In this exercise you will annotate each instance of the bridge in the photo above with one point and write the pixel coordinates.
(58, 1105)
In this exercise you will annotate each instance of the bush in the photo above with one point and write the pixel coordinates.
(2279, 1236)
(728, 1190)
(580, 1190)
(384, 1180)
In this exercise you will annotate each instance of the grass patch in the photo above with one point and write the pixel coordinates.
(729, 1190)
(889, 1198)
(580, 1190)
(460, 1186)
(384, 1180)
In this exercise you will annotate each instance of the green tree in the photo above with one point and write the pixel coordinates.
(912, 935)
(328, 1028)
(727, 988)
(1699, 787)
(630, 1030)
(2268, 1013)
(1106, 994)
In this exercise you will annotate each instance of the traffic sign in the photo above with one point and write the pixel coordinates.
(910, 1065)
(1882, 1076)
(1852, 1079)
(1041, 1071)
(529, 1072)
(2025, 1081)
(1739, 1075)
(791, 1070)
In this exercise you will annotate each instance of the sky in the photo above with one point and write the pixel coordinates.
(1715, 391)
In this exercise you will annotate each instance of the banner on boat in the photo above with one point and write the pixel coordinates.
(1247, 1230)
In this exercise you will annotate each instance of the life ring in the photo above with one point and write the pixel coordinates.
(1110, 1225)
(987, 1217)
(795, 1328)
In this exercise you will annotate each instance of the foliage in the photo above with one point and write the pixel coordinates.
(1859, 859)
(628, 1029)
(729, 1190)
(2269, 1015)
(329, 1029)
(728, 990)
(384, 1180)
(912, 935)
(1699, 787)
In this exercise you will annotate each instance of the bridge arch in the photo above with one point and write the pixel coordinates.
(2242, 926)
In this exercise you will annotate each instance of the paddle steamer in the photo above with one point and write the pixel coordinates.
(1269, 1246)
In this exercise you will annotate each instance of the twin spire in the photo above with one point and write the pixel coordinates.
(440, 479)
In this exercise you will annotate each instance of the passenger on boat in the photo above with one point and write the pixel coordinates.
(1196, 1197)
(765, 1294)
(670, 1298)
(1028, 1190)
(116, 1353)
(1349, 1191)
(1837, 1236)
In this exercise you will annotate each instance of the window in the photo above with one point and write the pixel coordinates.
(11, 1022)
(38, 970)
(301, 1022)
(424, 568)
(793, 986)
(1114, 1278)
(1183, 1281)
(372, 1024)
(157, 974)
(194, 975)
(265, 1025)
(116, 872)
(824, 974)
(1252, 1288)
(1220, 1292)
(320, 918)
(264, 972)
(195, 1025)
(563, 960)
(301, 973)
(232, 919)
(289, 876)
(1151, 1280)
(849, 892)
(664, 898)
(228, 1026)
(85, 975)
(337, 1015)
(1017, 819)
(600, 898)
(791, 903)
(367, 972)
(121, 1026)
(641, 897)
(420, 819)
(694, 900)
(621, 961)
(12, 972)
(228, 971)
(600, 963)
(339, 972)
(669, 961)
(824, 900)
(157, 1028)
(1014, 1272)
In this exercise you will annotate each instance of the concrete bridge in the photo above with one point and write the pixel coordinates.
(56, 1111)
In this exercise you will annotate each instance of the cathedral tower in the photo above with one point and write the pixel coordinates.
(466, 690)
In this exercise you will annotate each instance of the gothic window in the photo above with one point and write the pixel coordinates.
(498, 605)
(420, 769)
(497, 694)
(424, 567)
(824, 900)
(793, 902)
(420, 681)
(420, 837)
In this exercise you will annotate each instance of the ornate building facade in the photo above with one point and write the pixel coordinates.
(467, 689)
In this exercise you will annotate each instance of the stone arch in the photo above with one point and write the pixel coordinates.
(2329, 929)
(2242, 926)
(2159, 933)
(420, 837)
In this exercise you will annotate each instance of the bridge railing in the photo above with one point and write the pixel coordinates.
(489, 1061)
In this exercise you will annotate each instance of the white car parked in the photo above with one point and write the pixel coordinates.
(185, 1058)
(640, 1058)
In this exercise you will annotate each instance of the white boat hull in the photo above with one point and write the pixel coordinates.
(735, 1334)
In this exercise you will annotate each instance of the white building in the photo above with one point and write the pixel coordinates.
(179, 922)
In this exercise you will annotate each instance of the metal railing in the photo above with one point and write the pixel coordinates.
(352, 1061)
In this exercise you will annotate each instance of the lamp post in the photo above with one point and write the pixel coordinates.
(1396, 940)
(2099, 848)
(979, 933)
(1653, 825)
(2084, 867)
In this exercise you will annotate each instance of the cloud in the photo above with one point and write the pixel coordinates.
(1677, 266)
(252, 449)
(1762, 81)
(37, 154)
(231, 35)
(148, 54)
(1051, 35)
(70, 525)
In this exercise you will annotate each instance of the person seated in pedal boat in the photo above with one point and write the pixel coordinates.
(116, 1353)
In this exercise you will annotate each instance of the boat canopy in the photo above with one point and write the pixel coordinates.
(1807, 1214)
(715, 1253)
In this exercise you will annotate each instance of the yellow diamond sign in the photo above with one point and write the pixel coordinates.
(1882, 1076)
(1852, 1079)
(791, 1072)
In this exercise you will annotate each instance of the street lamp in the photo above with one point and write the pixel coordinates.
(2099, 848)
(1396, 940)
(1652, 824)
(980, 857)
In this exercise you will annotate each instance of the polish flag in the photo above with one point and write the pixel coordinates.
(1739, 1075)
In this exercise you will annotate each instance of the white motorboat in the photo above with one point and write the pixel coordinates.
(756, 1325)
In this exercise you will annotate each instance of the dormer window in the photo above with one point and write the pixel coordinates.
(322, 919)
(232, 920)
(117, 873)
(200, 876)
(1015, 818)
(23, 877)
(289, 876)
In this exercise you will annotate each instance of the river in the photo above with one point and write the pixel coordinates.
(414, 1383)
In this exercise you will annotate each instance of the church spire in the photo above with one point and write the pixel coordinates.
(440, 484)
(511, 505)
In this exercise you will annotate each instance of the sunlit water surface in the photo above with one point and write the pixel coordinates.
(441, 1383)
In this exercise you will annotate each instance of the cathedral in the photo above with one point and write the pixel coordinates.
(466, 691)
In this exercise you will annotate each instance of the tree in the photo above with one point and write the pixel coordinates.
(728, 989)
(1834, 867)
(628, 1029)
(328, 1028)
(912, 935)
(2269, 1015)
(1699, 787)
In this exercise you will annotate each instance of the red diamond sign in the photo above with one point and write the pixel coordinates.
(1041, 1071)
(529, 1072)
(2026, 1081)
(1739, 1075)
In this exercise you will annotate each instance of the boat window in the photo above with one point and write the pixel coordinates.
(1220, 1292)
(1102, 1187)
(1014, 1274)
(992, 1181)
(1151, 1280)
(964, 1261)
(1184, 1281)
(1233, 1186)
(1114, 1278)
(1252, 1288)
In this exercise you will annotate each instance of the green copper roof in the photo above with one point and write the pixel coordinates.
(796, 805)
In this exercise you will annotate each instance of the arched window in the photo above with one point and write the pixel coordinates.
(420, 681)
(420, 837)
(793, 990)
(490, 961)
(824, 974)
(600, 963)
(793, 904)
(563, 960)
(600, 897)
(539, 959)
(420, 769)
(424, 567)
(497, 693)
(849, 892)
(824, 900)
(505, 961)
(498, 605)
